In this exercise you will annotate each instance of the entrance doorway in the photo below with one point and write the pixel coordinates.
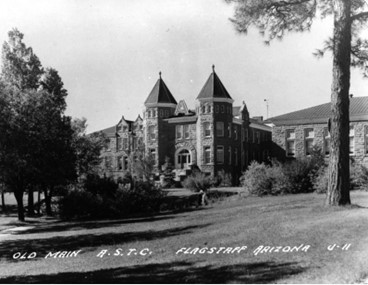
(183, 159)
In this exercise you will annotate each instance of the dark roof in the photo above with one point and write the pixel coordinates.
(160, 94)
(213, 88)
(321, 113)
(109, 131)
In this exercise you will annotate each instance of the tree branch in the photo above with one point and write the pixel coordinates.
(359, 16)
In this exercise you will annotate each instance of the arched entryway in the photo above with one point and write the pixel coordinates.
(183, 159)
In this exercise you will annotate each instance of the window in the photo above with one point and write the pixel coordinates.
(179, 132)
(203, 109)
(351, 140)
(327, 141)
(108, 162)
(258, 137)
(125, 143)
(166, 113)
(308, 140)
(153, 113)
(220, 129)
(151, 133)
(125, 162)
(153, 155)
(161, 113)
(186, 131)
(236, 156)
(229, 155)
(120, 162)
(217, 108)
(366, 139)
(207, 154)
(222, 109)
(119, 143)
(108, 145)
(236, 132)
(229, 129)
(208, 108)
(220, 154)
(207, 129)
(290, 143)
(125, 129)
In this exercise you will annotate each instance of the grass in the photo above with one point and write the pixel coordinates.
(234, 222)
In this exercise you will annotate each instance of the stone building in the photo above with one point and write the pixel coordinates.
(215, 136)
(294, 134)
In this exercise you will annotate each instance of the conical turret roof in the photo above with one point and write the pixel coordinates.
(213, 88)
(160, 94)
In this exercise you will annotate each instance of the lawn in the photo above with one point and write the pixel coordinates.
(176, 247)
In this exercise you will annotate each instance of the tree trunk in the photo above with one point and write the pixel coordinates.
(3, 206)
(30, 202)
(338, 173)
(39, 202)
(48, 196)
(19, 197)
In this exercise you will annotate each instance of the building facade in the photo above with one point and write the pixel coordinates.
(215, 136)
(294, 134)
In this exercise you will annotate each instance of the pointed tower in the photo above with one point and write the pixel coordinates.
(214, 126)
(160, 104)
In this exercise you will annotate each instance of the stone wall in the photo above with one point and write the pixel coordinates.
(279, 140)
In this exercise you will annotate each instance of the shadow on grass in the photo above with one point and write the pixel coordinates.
(61, 226)
(86, 242)
(175, 272)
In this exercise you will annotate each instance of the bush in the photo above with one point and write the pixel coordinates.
(142, 199)
(261, 179)
(197, 181)
(222, 179)
(358, 176)
(292, 177)
(320, 180)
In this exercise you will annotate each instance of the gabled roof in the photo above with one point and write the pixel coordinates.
(321, 113)
(181, 108)
(160, 94)
(213, 88)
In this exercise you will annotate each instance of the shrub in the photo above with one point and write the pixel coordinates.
(197, 181)
(289, 178)
(103, 186)
(359, 176)
(222, 179)
(143, 198)
(320, 180)
(256, 179)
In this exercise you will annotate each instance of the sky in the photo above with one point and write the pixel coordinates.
(109, 54)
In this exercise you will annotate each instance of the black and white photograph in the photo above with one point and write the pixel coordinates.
(184, 141)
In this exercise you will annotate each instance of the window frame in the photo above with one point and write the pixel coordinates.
(220, 154)
(288, 140)
(205, 129)
(220, 132)
(151, 135)
(206, 155)
(308, 138)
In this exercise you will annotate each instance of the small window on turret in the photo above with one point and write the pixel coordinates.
(220, 129)
(222, 109)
